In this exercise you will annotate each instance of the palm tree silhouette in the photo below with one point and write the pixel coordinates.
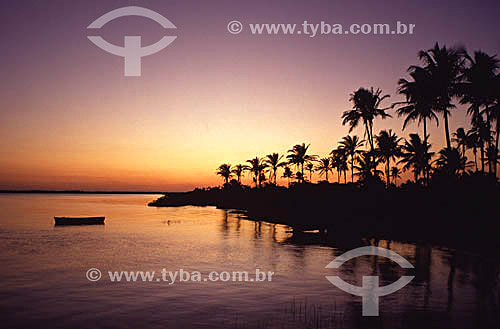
(473, 143)
(461, 139)
(224, 170)
(298, 156)
(395, 174)
(387, 148)
(299, 176)
(482, 132)
(367, 167)
(238, 170)
(451, 161)
(324, 167)
(339, 161)
(480, 90)
(415, 155)
(257, 168)
(310, 168)
(366, 108)
(351, 145)
(444, 66)
(419, 104)
(288, 174)
(274, 162)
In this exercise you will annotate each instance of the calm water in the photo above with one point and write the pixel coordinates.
(43, 282)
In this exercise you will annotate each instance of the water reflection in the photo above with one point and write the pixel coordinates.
(44, 267)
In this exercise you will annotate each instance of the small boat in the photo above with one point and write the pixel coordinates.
(79, 220)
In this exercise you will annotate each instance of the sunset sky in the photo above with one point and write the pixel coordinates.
(69, 119)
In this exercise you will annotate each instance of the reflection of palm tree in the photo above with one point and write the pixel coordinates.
(298, 156)
(274, 162)
(395, 174)
(366, 108)
(324, 167)
(257, 167)
(224, 170)
(444, 66)
(387, 149)
(351, 146)
(238, 170)
(288, 174)
(415, 154)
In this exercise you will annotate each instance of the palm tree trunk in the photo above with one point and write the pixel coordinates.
(352, 168)
(387, 173)
(475, 158)
(338, 176)
(327, 176)
(488, 125)
(274, 170)
(496, 142)
(345, 176)
(482, 155)
(447, 130)
(426, 171)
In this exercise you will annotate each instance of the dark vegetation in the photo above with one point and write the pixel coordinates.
(451, 199)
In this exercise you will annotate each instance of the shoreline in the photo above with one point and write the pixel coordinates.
(456, 216)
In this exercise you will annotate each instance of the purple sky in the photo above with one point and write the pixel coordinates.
(70, 119)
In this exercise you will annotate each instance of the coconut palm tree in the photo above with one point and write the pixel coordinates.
(288, 174)
(444, 66)
(415, 155)
(339, 161)
(395, 174)
(257, 167)
(298, 156)
(366, 107)
(224, 171)
(274, 162)
(239, 170)
(473, 143)
(299, 176)
(451, 161)
(461, 139)
(483, 133)
(480, 89)
(420, 96)
(493, 156)
(367, 167)
(310, 168)
(419, 104)
(324, 167)
(335, 161)
(351, 146)
(387, 148)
